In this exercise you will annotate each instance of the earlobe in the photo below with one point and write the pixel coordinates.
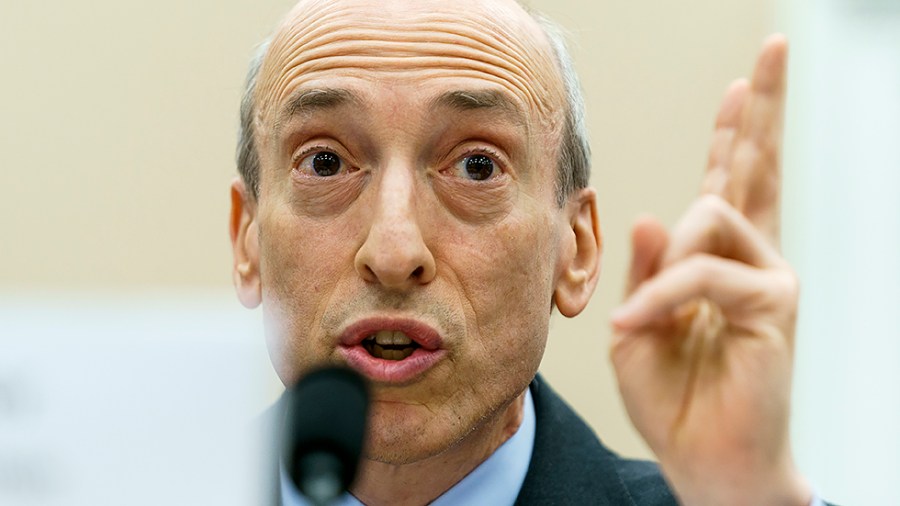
(580, 254)
(243, 230)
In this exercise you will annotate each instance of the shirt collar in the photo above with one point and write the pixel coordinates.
(497, 480)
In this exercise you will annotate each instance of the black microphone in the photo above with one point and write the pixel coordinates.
(324, 425)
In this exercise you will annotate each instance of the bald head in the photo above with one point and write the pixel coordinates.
(496, 41)
(494, 45)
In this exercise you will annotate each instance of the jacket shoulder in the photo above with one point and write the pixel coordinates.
(645, 482)
(569, 464)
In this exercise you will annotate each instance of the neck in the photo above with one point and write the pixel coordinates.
(423, 481)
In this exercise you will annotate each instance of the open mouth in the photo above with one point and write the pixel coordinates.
(389, 345)
(393, 351)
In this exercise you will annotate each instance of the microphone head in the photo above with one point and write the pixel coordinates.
(324, 427)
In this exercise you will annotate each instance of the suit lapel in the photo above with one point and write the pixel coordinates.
(569, 465)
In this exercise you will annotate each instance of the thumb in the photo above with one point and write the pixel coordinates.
(649, 240)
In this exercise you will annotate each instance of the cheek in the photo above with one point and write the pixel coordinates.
(506, 278)
(301, 261)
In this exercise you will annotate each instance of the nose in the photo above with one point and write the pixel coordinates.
(394, 253)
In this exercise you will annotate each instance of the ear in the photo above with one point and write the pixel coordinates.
(579, 266)
(243, 229)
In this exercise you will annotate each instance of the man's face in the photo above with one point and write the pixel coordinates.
(407, 223)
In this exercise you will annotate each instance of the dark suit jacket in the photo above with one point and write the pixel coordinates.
(570, 466)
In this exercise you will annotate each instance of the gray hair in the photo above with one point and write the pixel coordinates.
(247, 154)
(574, 161)
(573, 170)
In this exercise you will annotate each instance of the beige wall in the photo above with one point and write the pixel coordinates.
(117, 127)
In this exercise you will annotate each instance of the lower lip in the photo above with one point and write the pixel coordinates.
(391, 371)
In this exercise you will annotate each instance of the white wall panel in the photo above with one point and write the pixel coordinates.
(842, 209)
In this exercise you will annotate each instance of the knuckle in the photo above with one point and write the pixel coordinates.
(704, 269)
(760, 150)
(711, 203)
(714, 211)
(781, 296)
(778, 292)
(787, 284)
(706, 223)
(746, 153)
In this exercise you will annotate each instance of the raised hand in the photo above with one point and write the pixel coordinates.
(704, 343)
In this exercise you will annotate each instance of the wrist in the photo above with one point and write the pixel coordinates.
(775, 487)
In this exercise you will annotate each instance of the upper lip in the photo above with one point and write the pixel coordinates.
(420, 333)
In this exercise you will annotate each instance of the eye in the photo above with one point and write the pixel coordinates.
(321, 163)
(477, 167)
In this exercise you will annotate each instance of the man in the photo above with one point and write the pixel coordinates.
(413, 203)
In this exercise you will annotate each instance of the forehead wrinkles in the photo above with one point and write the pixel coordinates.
(514, 56)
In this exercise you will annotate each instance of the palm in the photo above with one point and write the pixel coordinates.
(711, 392)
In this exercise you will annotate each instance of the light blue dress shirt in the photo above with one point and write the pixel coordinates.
(495, 481)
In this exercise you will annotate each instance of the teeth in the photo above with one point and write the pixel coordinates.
(390, 345)
(395, 337)
(389, 354)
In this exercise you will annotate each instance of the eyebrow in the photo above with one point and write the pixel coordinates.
(474, 100)
(308, 101)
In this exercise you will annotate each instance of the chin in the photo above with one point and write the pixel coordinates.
(406, 434)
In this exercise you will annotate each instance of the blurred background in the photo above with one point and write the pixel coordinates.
(117, 132)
